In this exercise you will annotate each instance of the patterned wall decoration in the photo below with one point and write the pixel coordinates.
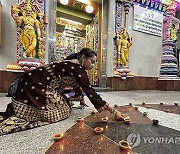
(96, 32)
(41, 4)
(78, 5)
(90, 44)
(118, 19)
(96, 43)
(118, 26)
(152, 4)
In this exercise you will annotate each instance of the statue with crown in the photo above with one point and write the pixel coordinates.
(30, 35)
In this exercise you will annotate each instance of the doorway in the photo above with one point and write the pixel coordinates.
(76, 28)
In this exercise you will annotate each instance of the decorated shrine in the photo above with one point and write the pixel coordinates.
(56, 103)
(30, 19)
(75, 31)
(165, 24)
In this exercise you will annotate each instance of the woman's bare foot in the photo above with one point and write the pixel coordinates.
(83, 104)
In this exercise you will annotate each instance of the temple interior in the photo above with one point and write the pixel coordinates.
(136, 44)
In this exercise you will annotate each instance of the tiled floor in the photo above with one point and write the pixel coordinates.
(37, 141)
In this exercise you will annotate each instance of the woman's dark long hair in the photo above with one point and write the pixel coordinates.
(87, 52)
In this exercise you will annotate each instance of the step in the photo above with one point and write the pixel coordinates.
(101, 89)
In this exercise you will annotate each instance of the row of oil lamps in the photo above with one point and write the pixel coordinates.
(124, 145)
(99, 130)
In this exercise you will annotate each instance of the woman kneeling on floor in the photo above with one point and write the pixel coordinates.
(40, 100)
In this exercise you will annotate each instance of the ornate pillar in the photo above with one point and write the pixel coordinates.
(118, 24)
(127, 6)
(169, 65)
(118, 27)
(51, 39)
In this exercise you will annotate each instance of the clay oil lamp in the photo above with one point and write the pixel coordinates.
(166, 110)
(104, 119)
(145, 114)
(58, 136)
(124, 145)
(155, 122)
(79, 119)
(148, 107)
(98, 130)
(136, 108)
(93, 111)
(115, 105)
(127, 120)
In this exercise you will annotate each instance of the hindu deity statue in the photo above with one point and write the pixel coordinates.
(29, 24)
(123, 42)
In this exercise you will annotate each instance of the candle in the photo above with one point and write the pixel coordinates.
(124, 145)
(136, 108)
(79, 119)
(58, 136)
(104, 119)
(115, 105)
(145, 113)
(166, 110)
(93, 111)
(127, 120)
(155, 122)
(98, 130)
(147, 107)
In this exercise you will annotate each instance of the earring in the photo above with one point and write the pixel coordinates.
(82, 62)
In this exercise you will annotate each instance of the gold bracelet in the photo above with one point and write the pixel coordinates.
(114, 112)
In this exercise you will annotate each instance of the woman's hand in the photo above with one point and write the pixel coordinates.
(117, 115)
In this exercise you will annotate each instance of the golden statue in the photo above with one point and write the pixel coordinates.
(29, 28)
(123, 42)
